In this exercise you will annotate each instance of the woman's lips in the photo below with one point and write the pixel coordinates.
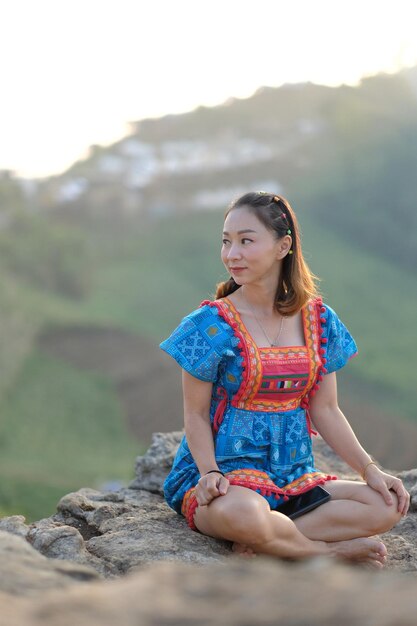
(235, 270)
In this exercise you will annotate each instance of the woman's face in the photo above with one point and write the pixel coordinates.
(250, 252)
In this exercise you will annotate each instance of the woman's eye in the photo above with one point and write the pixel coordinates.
(246, 239)
(225, 241)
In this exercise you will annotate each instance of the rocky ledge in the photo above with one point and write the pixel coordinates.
(106, 535)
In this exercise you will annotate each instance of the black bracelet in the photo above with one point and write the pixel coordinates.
(214, 472)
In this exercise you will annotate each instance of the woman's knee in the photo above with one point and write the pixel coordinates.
(241, 517)
(384, 516)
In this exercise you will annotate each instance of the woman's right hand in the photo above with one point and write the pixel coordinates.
(210, 486)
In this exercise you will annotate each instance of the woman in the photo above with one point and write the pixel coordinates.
(259, 367)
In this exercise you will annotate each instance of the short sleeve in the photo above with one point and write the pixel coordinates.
(198, 344)
(340, 344)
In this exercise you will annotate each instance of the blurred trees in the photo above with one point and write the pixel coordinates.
(11, 195)
(363, 183)
(46, 254)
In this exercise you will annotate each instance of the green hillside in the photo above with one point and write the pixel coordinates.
(107, 259)
(62, 428)
(175, 264)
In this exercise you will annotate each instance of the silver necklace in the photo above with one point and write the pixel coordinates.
(273, 343)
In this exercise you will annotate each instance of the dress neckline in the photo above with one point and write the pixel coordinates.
(297, 347)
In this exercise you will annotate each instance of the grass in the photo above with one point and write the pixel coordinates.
(175, 264)
(60, 429)
(378, 303)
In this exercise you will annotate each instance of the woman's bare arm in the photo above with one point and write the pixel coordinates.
(334, 427)
(198, 431)
(197, 398)
(337, 432)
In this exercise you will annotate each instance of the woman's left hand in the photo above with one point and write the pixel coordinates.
(383, 483)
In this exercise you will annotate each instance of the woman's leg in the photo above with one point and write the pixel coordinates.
(244, 517)
(355, 510)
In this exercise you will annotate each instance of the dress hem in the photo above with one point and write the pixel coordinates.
(261, 483)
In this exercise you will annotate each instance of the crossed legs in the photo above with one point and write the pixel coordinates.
(341, 527)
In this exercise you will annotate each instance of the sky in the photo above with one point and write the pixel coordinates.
(76, 72)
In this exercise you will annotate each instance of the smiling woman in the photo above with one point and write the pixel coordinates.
(259, 370)
(274, 229)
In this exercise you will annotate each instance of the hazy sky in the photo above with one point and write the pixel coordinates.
(74, 72)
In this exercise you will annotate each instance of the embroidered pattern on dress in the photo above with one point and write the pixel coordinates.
(319, 335)
(295, 427)
(273, 392)
(193, 347)
(276, 443)
(285, 376)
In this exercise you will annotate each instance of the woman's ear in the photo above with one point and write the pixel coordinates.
(284, 246)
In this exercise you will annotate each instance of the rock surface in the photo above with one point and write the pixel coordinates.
(121, 535)
(24, 571)
(237, 593)
(152, 468)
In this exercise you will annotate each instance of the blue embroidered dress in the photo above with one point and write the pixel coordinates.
(260, 398)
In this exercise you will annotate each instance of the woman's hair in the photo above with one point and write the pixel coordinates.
(296, 283)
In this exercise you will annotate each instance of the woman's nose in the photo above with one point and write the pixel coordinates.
(234, 252)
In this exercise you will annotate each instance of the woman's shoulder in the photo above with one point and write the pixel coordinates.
(327, 312)
(340, 346)
(322, 308)
(200, 341)
(216, 307)
(208, 320)
(206, 311)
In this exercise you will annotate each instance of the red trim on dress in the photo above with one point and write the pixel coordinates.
(321, 370)
(246, 396)
(221, 407)
(261, 483)
(313, 325)
(251, 364)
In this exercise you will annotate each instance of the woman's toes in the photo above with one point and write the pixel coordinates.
(382, 550)
(376, 556)
(238, 547)
(243, 550)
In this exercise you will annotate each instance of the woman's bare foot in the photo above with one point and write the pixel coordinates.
(243, 550)
(370, 551)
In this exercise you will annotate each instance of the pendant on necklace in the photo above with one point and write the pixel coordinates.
(274, 342)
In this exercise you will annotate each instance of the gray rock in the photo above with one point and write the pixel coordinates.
(413, 492)
(124, 533)
(61, 541)
(15, 524)
(138, 530)
(149, 531)
(152, 468)
(114, 533)
(24, 571)
(236, 592)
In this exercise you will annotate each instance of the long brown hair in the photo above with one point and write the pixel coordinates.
(296, 284)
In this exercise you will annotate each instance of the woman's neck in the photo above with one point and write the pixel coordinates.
(258, 298)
